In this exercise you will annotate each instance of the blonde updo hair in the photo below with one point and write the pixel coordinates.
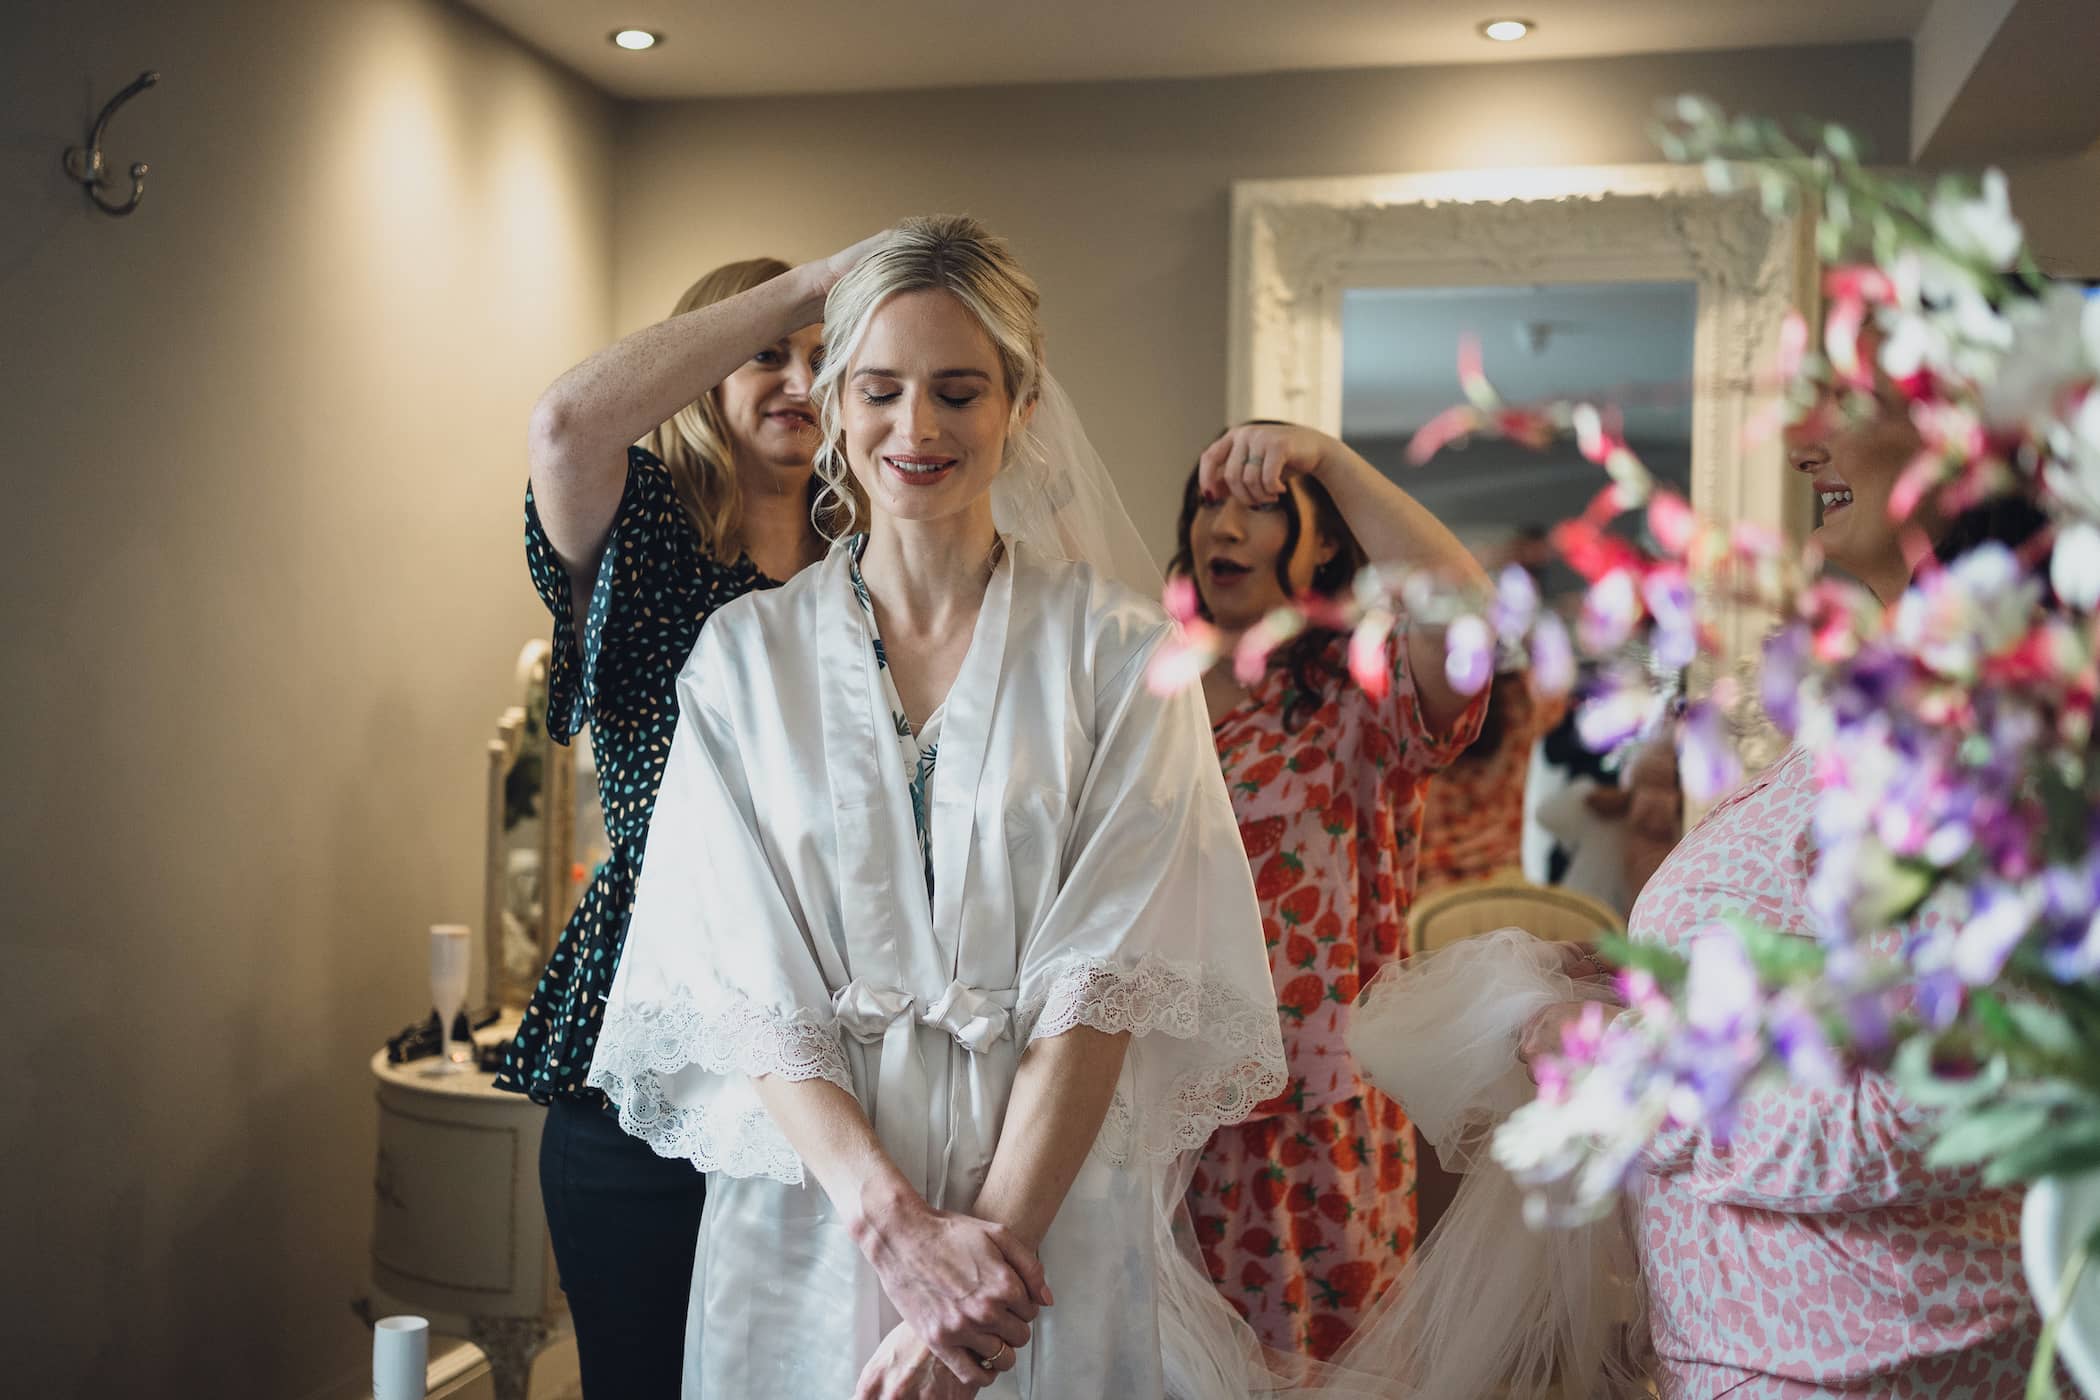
(952, 253)
(694, 442)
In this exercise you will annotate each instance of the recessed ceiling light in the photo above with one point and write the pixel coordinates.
(636, 39)
(1506, 31)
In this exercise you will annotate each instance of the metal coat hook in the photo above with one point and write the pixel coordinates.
(86, 165)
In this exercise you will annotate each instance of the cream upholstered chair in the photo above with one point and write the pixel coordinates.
(1542, 911)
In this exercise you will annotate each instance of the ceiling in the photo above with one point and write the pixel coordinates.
(1623, 343)
(713, 48)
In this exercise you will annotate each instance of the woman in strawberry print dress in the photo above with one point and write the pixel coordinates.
(1305, 1212)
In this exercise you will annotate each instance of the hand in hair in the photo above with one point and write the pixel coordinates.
(1256, 461)
(824, 273)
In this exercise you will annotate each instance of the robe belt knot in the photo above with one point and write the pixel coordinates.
(976, 1018)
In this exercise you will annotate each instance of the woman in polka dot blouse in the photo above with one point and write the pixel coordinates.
(631, 548)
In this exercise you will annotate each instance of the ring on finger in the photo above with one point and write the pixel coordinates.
(991, 1363)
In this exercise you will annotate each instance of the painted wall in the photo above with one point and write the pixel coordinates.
(263, 448)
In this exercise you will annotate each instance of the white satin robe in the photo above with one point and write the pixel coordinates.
(1087, 871)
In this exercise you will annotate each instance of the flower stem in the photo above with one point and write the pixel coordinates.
(2041, 1380)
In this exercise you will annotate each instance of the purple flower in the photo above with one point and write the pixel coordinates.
(1469, 654)
(1786, 668)
(1668, 595)
(1802, 1043)
(1552, 657)
(1516, 602)
(1610, 611)
(1999, 919)
(1721, 989)
(1706, 753)
(1620, 707)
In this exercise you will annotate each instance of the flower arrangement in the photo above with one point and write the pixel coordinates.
(1958, 797)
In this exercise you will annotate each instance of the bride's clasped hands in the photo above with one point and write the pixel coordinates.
(967, 1290)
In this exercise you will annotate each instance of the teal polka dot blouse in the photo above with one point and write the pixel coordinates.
(655, 588)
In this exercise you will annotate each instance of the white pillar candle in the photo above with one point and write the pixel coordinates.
(400, 1358)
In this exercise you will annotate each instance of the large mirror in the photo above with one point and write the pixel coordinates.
(1633, 286)
(1309, 256)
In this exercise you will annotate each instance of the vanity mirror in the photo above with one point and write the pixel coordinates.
(532, 885)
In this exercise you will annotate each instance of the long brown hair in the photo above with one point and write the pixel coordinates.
(694, 442)
(1305, 656)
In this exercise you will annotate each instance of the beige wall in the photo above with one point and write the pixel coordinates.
(1116, 194)
(2058, 201)
(263, 457)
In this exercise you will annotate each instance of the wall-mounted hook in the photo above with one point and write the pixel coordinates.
(86, 165)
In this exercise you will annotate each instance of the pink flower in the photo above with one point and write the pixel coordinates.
(1251, 658)
(1671, 521)
(1793, 346)
(1181, 601)
(1370, 665)
(1452, 425)
(1472, 374)
(1841, 330)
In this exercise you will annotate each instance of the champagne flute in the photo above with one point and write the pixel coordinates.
(448, 990)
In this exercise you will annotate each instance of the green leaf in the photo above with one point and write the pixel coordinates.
(1778, 957)
(2071, 1145)
(2047, 1030)
(1903, 887)
(1839, 143)
(1666, 967)
(1984, 1132)
(1913, 1070)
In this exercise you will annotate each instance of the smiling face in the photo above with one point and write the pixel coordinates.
(924, 409)
(1242, 556)
(1853, 469)
(766, 412)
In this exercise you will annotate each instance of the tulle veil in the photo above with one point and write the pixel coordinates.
(1487, 1307)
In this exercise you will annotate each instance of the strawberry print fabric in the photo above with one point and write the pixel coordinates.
(1305, 1213)
(1473, 817)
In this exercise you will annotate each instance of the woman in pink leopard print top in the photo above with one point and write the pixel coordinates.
(1815, 1253)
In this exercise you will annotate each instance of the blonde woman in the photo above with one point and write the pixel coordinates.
(944, 948)
(632, 548)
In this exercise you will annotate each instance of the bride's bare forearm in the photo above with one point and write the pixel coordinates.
(1060, 1096)
(830, 1132)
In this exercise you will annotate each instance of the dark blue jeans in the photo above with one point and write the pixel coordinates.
(624, 1223)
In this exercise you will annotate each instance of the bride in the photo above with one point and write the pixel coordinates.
(943, 948)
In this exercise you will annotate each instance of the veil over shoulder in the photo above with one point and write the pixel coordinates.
(1056, 497)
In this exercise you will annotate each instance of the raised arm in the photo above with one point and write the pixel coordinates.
(1255, 462)
(585, 421)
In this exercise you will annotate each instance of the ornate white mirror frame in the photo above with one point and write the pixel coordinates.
(1297, 245)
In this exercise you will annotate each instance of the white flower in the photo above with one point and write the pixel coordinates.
(1721, 990)
(1978, 607)
(2074, 566)
(2047, 358)
(2074, 475)
(1983, 227)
